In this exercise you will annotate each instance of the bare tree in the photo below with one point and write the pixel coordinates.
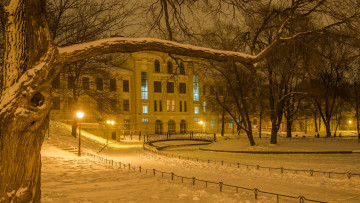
(32, 60)
(327, 76)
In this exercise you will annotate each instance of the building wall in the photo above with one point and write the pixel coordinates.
(135, 119)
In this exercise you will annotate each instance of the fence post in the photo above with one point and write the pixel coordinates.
(220, 186)
(140, 169)
(214, 137)
(154, 171)
(139, 135)
(256, 192)
(131, 135)
(129, 166)
(193, 180)
(172, 176)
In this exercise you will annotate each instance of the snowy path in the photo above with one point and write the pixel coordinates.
(71, 178)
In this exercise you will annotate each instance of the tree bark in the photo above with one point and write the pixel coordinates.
(328, 129)
(222, 123)
(25, 99)
(288, 128)
(315, 123)
(260, 122)
(274, 131)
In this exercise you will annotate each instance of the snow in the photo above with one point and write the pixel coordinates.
(69, 178)
(123, 44)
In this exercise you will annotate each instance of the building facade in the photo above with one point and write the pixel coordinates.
(149, 92)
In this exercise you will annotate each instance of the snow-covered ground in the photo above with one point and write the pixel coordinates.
(69, 178)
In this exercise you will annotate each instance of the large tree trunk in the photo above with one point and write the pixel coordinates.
(328, 129)
(25, 99)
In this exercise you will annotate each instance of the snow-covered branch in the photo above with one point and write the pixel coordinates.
(81, 51)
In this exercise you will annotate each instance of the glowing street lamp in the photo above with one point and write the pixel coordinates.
(350, 121)
(79, 115)
(109, 122)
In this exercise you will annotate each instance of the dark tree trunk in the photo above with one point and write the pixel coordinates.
(260, 122)
(288, 128)
(27, 54)
(328, 129)
(274, 131)
(222, 123)
(316, 125)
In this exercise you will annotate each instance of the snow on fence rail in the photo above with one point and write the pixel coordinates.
(190, 135)
(194, 180)
(258, 167)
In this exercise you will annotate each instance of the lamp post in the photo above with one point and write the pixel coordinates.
(108, 122)
(79, 115)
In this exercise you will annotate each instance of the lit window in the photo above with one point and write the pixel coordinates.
(196, 88)
(144, 86)
(168, 105)
(204, 106)
(213, 123)
(196, 119)
(145, 120)
(173, 106)
(145, 109)
(196, 110)
(231, 123)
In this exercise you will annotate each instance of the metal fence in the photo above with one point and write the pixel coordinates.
(179, 136)
(257, 167)
(206, 183)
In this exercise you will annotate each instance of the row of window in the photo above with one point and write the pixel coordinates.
(170, 106)
(170, 68)
(114, 104)
(85, 84)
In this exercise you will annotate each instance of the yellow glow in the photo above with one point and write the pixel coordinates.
(80, 114)
(350, 121)
(110, 122)
(201, 122)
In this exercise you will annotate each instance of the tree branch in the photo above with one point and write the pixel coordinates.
(112, 45)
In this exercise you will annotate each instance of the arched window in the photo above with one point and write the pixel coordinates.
(158, 127)
(157, 66)
(183, 126)
(171, 126)
(182, 68)
(169, 67)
